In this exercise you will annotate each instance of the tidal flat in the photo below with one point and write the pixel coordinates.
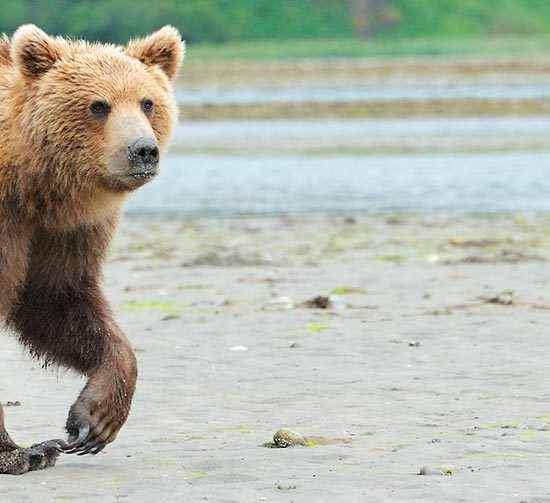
(430, 358)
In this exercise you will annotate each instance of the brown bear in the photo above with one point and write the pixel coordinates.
(81, 125)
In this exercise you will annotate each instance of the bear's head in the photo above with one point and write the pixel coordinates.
(93, 117)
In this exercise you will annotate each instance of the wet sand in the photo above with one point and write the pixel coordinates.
(509, 70)
(433, 356)
(366, 88)
(453, 107)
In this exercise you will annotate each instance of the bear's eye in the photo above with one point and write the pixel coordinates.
(100, 108)
(147, 105)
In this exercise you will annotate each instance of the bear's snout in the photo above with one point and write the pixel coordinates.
(135, 162)
(143, 154)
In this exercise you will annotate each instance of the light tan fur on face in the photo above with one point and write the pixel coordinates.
(60, 161)
(123, 128)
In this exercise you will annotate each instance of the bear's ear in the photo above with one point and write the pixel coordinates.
(164, 48)
(33, 51)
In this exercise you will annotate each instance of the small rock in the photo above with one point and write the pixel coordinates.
(280, 303)
(285, 437)
(324, 302)
(439, 470)
(337, 303)
(503, 298)
(238, 348)
(286, 487)
(319, 302)
(450, 469)
(430, 470)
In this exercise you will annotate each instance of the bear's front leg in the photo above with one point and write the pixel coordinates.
(74, 327)
(63, 316)
(104, 404)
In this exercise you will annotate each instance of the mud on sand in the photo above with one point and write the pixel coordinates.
(412, 367)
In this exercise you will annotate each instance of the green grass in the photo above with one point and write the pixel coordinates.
(353, 48)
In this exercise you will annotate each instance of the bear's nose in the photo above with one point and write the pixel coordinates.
(143, 153)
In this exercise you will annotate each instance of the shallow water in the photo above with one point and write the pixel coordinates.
(302, 136)
(230, 186)
(229, 168)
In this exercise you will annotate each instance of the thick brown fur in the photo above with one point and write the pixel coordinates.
(62, 185)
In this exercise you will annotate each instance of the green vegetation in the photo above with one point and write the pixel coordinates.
(376, 47)
(199, 20)
(166, 306)
(344, 290)
(316, 327)
(216, 21)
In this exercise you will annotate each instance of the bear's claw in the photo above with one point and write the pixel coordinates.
(100, 411)
(89, 441)
(78, 438)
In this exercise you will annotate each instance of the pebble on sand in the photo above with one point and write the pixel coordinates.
(280, 304)
(439, 470)
(238, 348)
(285, 437)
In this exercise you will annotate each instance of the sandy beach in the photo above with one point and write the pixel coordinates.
(431, 357)
(338, 285)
